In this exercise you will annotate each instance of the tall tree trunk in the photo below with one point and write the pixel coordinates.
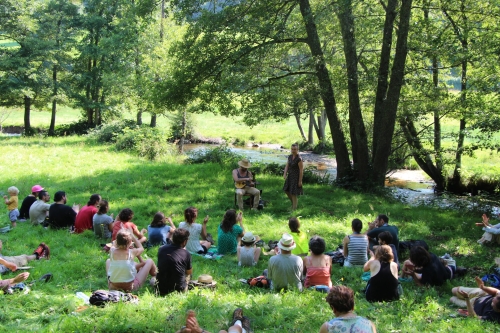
(358, 134)
(326, 92)
(54, 102)
(27, 110)
(386, 104)
(310, 134)
(297, 119)
(88, 88)
(153, 120)
(183, 132)
(139, 117)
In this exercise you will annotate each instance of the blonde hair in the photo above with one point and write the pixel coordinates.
(13, 189)
(383, 253)
(123, 239)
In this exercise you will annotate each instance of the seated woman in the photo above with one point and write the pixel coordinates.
(317, 266)
(491, 232)
(341, 301)
(383, 284)
(356, 246)
(124, 221)
(159, 232)
(248, 253)
(194, 244)
(122, 271)
(300, 237)
(103, 223)
(229, 233)
(426, 268)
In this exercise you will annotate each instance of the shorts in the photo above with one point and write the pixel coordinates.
(204, 251)
(19, 261)
(13, 215)
(125, 286)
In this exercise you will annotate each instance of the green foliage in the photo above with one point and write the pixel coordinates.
(80, 127)
(110, 131)
(222, 155)
(146, 141)
(176, 126)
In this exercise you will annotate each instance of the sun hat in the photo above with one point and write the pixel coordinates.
(205, 278)
(36, 188)
(286, 242)
(244, 163)
(248, 237)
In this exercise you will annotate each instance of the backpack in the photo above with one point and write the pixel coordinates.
(492, 279)
(101, 297)
(259, 281)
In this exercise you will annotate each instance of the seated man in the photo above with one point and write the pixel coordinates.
(174, 264)
(12, 263)
(243, 180)
(381, 224)
(39, 210)
(483, 302)
(60, 215)
(285, 269)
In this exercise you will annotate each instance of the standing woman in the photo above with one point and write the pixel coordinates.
(293, 181)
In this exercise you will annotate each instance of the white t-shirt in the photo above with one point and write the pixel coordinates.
(38, 211)
(193, 245)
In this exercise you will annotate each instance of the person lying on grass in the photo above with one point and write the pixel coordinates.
(240, 324)
(483, 302)
(124, 221)
(12, 263)
(383, 284)
(122, 271)
(6, 284)
(341, 301)
(431, 271)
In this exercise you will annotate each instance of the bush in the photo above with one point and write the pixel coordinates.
(77, 128)
(176, 127)
(109, 132)
(146, 141)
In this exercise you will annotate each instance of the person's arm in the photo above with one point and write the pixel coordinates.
(110, 226)
(470, 309)
(345, 249)
(256, 255)
(138, 248)
(304, 264)
(172, 225)
(324, 328)
(489, 290)
(301, 172)
(204, 227)
(7, 200)
(286, 170)
(8, 264)
(368, 264)
(239, 219)
(4, 284)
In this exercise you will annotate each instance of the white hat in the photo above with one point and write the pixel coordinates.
(248, 237)
(286, 242)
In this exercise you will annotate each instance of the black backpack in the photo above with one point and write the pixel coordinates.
(101, 297)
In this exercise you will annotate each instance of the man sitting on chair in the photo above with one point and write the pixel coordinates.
(243, 180)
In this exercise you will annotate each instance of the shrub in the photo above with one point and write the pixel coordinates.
(79, 127)
(109, 132)
(221, 154)
(146, 141)
(176, 126)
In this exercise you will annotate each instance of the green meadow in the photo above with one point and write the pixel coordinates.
(81, 167)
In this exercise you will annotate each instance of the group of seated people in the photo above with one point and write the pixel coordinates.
(298, 261)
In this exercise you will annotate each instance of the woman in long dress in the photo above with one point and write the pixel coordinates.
(294, 170)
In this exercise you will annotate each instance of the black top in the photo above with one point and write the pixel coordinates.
(24, 211)
(383, 287)
(484, 308)
(434, 273)
(373, 234)
(61, 216)
(173, 262)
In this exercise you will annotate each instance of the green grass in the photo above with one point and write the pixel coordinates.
(82, 168)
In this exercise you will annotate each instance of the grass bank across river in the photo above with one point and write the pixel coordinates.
(81, 168)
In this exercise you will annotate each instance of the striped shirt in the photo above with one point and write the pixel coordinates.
(357, 250)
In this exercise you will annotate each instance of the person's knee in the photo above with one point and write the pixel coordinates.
(454, 291)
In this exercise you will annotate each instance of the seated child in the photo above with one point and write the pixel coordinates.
(248, 253)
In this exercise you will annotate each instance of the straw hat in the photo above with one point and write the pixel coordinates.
(244, 163)
(205, 278)
(286, 242)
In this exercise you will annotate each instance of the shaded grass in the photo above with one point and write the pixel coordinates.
(82, 168)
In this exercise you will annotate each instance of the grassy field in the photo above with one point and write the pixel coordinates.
(81, 168)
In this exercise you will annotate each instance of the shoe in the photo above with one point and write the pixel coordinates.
(237, 314)
(245, 323)
(42, 251)
(460, 271)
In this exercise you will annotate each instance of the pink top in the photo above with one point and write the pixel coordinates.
(316, 276)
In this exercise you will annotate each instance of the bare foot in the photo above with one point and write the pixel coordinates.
(21, 277)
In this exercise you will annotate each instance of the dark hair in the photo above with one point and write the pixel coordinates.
(341, 298)
(59, 195)
(103, 207)
(357, 225)
(496, 308)
(294, 224)
(383, 218)
(123, 238)
(386, 237)
(190, 214)
(419, 256)
(41, 194)
(180, 236)
(94, 198)
(228, 221)
(383, 253)
(158, 220)
(317, 245)
(125, 215)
